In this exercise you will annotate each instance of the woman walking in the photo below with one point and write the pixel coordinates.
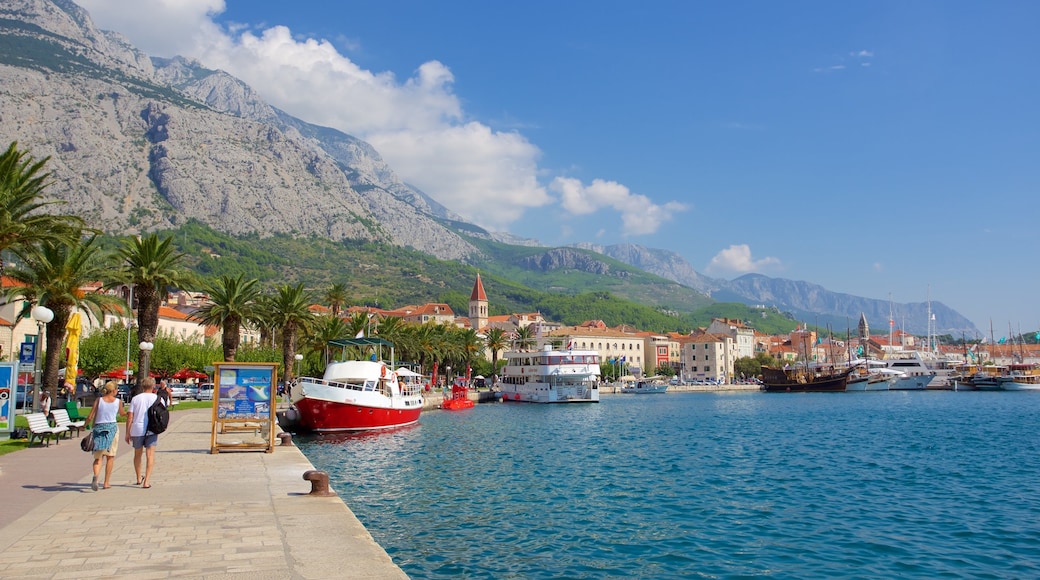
(103, 416)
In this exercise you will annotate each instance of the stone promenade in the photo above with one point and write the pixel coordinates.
(236, 514)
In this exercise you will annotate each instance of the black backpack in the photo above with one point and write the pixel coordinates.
(158, 416)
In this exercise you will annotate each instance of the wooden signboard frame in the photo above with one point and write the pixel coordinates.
(244, 400)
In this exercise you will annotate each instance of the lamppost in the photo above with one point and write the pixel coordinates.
(42, 315)
(299, 361)
(129, 327)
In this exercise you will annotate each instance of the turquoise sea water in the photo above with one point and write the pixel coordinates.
(693, 485)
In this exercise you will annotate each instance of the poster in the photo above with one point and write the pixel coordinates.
(244, 406)
(8, 384)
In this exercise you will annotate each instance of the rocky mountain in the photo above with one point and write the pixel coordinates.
(804, 300)
(140, 144)
(143, 144)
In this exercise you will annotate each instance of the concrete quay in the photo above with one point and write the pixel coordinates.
(235, 514)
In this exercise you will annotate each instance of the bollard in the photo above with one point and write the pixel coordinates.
(285, 438)
(319, 482)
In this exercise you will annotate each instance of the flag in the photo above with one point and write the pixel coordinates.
(570, 345)
(360, 334)
(623, 359)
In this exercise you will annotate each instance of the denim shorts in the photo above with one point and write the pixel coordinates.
(148, 440)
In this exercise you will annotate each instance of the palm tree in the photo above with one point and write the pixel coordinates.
(265, 316)
(22, 224)
(326, 329)
(152, 266)
(524, 338)
(495, 340)
(336, 296)
(232, 303)
(292, 316)
(469, 345)
(54, 275)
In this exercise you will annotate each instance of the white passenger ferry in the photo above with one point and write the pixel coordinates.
(550, 376)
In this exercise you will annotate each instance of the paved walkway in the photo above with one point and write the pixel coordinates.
(242, 514)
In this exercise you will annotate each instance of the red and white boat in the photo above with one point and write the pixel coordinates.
(356, 396)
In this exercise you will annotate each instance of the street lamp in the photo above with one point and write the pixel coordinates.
(42, 315)
(129, 327)
(299, 361)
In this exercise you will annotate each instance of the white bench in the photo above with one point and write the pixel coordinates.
(41, 430)
(61, 418)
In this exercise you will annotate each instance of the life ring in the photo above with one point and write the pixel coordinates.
(382, 371)
(393, 376)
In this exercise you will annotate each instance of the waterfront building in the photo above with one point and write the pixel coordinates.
(743, 335)
(621, 344)
(708, 357)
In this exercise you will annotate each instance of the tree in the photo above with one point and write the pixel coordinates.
(292, 315)
(152, 266)
(747, 367)
(22, 224)
(54, 276)
(335, 297)
(232, 303)
(495, 340)
(524, 338)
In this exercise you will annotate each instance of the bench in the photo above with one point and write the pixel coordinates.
(73, 409)
(61, 418)
(41, 430)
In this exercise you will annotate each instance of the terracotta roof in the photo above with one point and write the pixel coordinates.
(167, 312)
(478, 291)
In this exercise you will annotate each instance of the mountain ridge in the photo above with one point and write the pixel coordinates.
(144, 143)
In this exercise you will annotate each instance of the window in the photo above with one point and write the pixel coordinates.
(707, 369)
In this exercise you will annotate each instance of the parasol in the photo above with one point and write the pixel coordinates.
(74, 328)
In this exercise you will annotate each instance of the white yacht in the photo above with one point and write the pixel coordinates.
(550, 376)
(923, 369)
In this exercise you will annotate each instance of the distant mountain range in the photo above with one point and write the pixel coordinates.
(805, 301)
(144, 144)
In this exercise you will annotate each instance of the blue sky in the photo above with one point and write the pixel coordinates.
(882, 149)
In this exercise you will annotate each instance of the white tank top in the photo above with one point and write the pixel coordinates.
(107, 412)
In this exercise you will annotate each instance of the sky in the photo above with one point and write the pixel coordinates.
(882, 149)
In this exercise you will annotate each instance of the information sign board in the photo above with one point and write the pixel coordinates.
(244, 401)
(8, 384)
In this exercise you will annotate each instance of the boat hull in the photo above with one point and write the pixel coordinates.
(914, 383)
(457, 404)
(780, 381)
(544, 393)
(330, 417)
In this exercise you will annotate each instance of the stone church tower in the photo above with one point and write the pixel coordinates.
(478, 306)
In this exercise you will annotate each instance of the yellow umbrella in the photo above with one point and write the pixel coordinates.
(74, 327)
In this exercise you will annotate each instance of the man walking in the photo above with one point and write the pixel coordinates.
(137, 432)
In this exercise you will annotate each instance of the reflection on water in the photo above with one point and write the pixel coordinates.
(892, 484)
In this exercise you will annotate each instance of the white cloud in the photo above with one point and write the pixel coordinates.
(862, 54)
(737, 259)
(417, 124)
(639, 215)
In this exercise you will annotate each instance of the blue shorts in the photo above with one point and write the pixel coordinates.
(148, 440)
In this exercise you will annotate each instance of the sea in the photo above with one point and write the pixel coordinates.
(899, 484)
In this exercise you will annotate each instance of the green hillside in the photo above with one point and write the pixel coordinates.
(387, 276)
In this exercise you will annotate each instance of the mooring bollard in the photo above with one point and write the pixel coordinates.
(319, 482)
(285, 439)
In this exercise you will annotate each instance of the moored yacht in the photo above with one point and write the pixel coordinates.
(551, 376)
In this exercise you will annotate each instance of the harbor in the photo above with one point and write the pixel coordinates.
(248, 515)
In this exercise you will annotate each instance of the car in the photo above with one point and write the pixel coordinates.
(205, 392)
(181, 391)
